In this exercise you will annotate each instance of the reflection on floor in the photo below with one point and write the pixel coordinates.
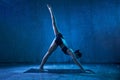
(59, 72)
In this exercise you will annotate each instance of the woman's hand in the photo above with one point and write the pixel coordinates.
(89, 71)
(82, 70)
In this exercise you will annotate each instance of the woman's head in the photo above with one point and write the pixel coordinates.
(78, 54)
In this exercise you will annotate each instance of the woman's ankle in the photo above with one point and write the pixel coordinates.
(41, 67)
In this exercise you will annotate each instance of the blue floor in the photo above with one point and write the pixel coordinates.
(59, 72)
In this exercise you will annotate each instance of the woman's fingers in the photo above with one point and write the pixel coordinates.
(89, 71)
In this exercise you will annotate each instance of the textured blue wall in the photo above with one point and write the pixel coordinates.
(93, 26)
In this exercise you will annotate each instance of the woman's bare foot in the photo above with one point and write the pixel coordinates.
(41, 69)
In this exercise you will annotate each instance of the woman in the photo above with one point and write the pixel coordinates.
(60, 41)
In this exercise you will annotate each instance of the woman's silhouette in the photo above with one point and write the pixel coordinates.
(60, 41)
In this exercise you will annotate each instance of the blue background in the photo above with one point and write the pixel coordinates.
(93, 26)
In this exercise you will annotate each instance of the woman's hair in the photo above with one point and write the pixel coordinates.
(78, 54)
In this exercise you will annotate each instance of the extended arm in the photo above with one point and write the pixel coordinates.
(53, 20)
(71, 53)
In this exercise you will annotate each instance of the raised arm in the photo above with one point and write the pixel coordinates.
(53, 20)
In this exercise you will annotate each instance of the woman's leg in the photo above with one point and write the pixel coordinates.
(54, 25)
(52, 48)
(70, 52)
